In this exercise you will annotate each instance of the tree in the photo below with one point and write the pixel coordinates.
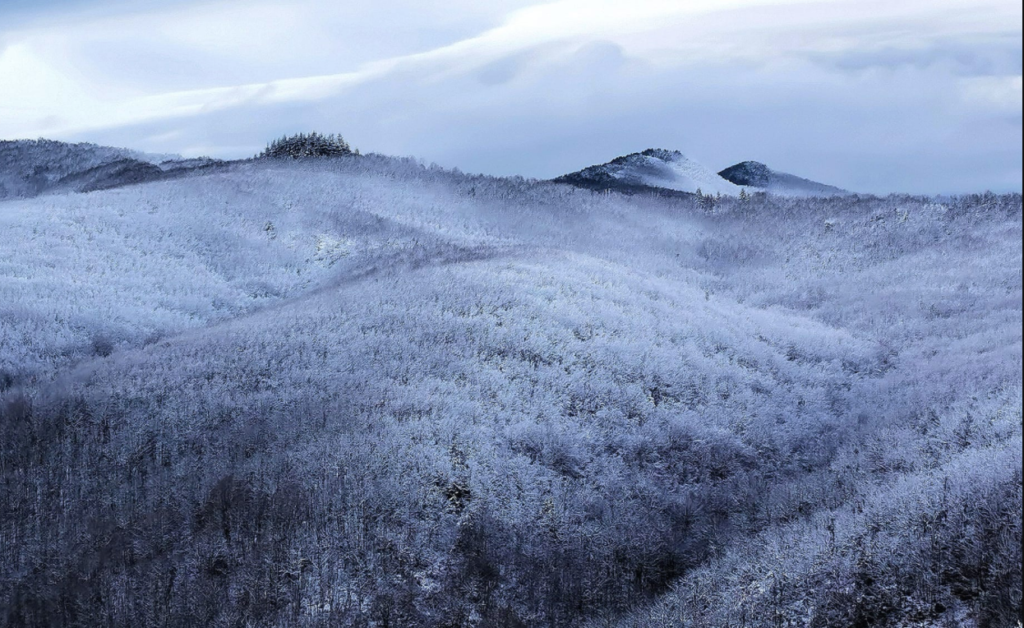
(311, 145)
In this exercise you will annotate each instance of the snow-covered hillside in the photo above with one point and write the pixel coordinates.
(653, 168)
(32, 167)
(360, 391)
(759, 177)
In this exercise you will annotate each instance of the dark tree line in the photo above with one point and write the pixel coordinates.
(307, 145)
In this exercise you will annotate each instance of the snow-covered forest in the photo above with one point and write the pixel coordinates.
(361, 391)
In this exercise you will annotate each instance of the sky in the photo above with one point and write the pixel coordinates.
(919, 96)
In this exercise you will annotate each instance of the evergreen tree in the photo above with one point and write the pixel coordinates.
(311, 145)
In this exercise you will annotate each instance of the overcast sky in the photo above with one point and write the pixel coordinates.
(874, 96)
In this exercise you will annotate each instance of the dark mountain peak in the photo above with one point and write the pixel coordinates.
(659, 154)
(756, 175)
(663, 154)
(750, 173)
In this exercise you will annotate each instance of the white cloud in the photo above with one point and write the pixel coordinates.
(396, 72)
(35, 96)
(1001, 93)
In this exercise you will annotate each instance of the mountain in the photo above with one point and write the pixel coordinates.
(368, 392)
(652, 170)
(32, 167)
(753, 174)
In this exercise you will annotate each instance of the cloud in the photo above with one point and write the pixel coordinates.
(1000, 93)
(987, 57)
(539, 89)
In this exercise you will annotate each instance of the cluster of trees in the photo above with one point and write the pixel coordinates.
(308, 145)
(372, 393)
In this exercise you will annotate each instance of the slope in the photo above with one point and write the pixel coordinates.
(363, 392)
(32, 167)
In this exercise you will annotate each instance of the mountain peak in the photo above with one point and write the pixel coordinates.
(657, 154)
(655, 169)
(754, 174)
(663, 154)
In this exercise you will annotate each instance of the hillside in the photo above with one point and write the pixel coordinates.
(32, 167)
(360, 391)
(760, 177)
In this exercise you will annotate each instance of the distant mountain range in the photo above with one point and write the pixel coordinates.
(32, 167)
(670, 172)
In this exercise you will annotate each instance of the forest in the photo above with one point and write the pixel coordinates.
(365, 391)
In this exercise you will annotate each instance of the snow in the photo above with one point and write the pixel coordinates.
(593, 372)
(658, 168)
(674, 171)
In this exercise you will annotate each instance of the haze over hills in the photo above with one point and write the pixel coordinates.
(361, 391)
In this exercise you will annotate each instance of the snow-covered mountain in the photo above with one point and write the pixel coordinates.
(654, 168)
(360, 391)
(756, 175)
(32, 167)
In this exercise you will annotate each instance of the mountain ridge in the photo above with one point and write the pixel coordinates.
(669, 172)
(652, 170)
(30, 168)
